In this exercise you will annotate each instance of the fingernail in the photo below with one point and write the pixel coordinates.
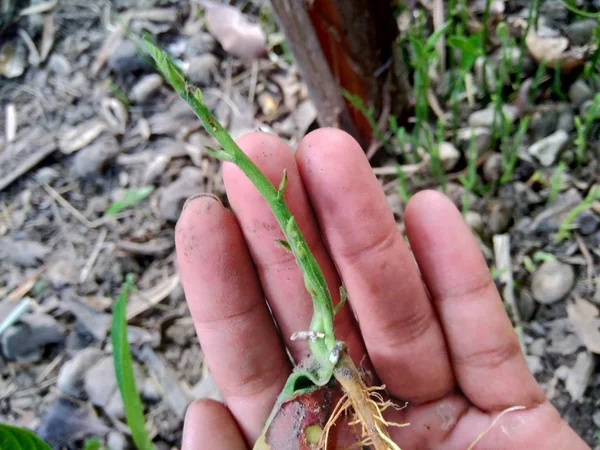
(195, 196)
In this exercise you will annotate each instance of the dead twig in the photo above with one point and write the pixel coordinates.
(87, 268)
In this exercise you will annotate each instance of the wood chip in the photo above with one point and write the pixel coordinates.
(144, 300)
(586, 320)
(78, 137)
(48, 35)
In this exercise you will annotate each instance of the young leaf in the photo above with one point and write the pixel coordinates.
(92, 444)
(134, 411)
(132, 198)
(13, 438)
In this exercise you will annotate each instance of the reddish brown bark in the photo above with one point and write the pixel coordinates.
(349, 44)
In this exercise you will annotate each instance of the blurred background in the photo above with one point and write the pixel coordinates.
(494, 102)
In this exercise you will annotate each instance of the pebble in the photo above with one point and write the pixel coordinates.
(499, 218)
(146, 88)
(566, 121)
(534, 363)
(26, 340)
(547, 150)
(565, 345)
(46, 175)
(200, 69)
(492, 168)
(449, 155)
(554, 9)
(22, 252)
(562, 372)
(485, 117)
(537, 347)
(482, 139)
(199, 44)
(474, 221)
(552, 281)
(581, 31)
(68, 421)
(175, 194)
(125, 59)
(579, 376)
(94, 158)
(72, 373)
(116, 441)
(527, 306)
(59, 64)
(543, 123)
(596, 418)
(587, 222)
(580, 92)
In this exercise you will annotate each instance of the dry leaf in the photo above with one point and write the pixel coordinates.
(556, 50)
(80, 136)
(585, 319)
(233, 31)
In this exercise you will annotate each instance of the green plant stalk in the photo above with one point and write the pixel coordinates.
(402, 185)
(563, 231)
(368, 113)
(134, 410)
(484, 36)
(583, 127)
(470, 181)
(556, 181)
(314, 280)
(534, 7)
(510, 158)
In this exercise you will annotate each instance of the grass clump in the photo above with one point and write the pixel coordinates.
(565, 228)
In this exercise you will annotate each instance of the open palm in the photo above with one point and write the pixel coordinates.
(435, 331)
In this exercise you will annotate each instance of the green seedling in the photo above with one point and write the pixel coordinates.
(571, 7)
(583, 126)
(556, 182)
(542, 256)
(528, 264)
(119, 94)
(329, 358)
(486, 26)
(14, 438)
(402, 185)
(510, 151)
(557, 83)
(540, 73)
(92, 444)
(470, 180)
(402, 139)
(565, 228)
(134, 410)
(132, 198)
(368, 112)
(532, 19)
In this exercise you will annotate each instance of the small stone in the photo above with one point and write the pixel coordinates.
(534, 363)
(485, 117)
(200, 69)
(580, 92)
(200, 44)
(554, 9)
(552, 281)
(72, 373)
(93, 158)
(22, 253)
(59, 64)
(587, 222)
(26, 340)
(543, 123)
(547, 150)
(565, 345)
(538, 347)
(474, 221)
(579, 377)
(146, 88)
(125, 59)
(562, 372)
(484, 75)
(499, 218)
(596, 418)
(566, 121)
(47, 175)
(173, 197)
(151, 391)
(581, 31)
(448, 154)
(492, 168)
(116, 441)
(526, 305)
(482, 139)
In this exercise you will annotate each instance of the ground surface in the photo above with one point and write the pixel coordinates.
(87, 125)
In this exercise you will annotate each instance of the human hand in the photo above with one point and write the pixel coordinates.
(435, 333)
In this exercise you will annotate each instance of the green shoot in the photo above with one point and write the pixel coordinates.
(402, 185)
(134, 410)
(528, 264)
(537, 81)
(369, 113)
(565, 227)
(557, 83)
(486, 25)
(119, 94)
(556, 182)
(470, 180)
(583, 126)
(581, 12)
(92, 444)
(541, 256)
(510, 153)
(323, 348)
(132, 198)
(532, 16)
(14, 438)
(402, 139)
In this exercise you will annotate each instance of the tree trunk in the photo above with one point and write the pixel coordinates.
(346, 44)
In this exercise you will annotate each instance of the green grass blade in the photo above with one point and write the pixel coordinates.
(132, 198)
(134, 410)
(14, 438)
